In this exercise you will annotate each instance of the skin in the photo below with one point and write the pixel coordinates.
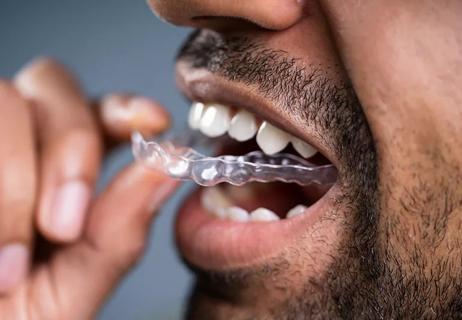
(50, 136)
(395, 250)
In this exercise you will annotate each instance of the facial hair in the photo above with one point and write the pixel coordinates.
(366, 279)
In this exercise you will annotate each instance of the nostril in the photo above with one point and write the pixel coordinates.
(266, 14)
(226, 24)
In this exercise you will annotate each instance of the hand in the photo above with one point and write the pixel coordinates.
(62, 250)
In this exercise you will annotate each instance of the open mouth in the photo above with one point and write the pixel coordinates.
(228, 226)
(246, 133)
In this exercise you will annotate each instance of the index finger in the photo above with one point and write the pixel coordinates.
(70, 147)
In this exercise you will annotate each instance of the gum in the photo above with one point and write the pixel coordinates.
(178, 158)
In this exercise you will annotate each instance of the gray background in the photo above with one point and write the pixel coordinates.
(113, 45)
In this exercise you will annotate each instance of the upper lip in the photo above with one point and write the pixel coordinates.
(216, 244)
(203, 86)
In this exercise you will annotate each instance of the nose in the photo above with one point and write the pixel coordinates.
(269, 14)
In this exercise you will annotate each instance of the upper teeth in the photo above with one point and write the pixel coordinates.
(305, 149)
(271, 139)
(214, 120)
(243, 126)
(195, 115)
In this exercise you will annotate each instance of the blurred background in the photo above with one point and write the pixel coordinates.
(112, 45)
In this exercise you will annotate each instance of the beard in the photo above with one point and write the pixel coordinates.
(369, 278)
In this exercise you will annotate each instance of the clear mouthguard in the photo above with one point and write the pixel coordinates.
(178, 158)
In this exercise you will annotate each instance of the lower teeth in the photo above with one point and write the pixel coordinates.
(219, 205)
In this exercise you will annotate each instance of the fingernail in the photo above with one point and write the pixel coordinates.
(13, 266)
(148, 117)
(69, 210)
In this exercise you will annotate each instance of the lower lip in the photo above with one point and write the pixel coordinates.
(214, 244)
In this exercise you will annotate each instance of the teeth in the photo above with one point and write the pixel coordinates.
(263, 214)
(243, 126)
(215, 201)
(237, 214)
(195, 115)
(271, 139)
(303, 148)
(296, 211)
(242, 195)
(215, 121)
(218, 204)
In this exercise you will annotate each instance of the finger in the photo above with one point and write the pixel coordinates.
(17, 186)
(69, 144)
(114, 239)
(121, 114)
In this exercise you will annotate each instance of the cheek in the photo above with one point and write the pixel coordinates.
(421, 210)
(419, 176)
(420, 182)
(409, 99)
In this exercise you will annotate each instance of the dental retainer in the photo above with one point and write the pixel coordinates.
(178, 158)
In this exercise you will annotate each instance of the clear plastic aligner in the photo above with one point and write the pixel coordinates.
(181, 161)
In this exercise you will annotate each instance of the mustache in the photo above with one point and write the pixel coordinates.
(307, 92)
(332, 107)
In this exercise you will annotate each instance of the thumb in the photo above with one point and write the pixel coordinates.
(114, 239)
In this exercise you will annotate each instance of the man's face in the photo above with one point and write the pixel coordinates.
(374, 86)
